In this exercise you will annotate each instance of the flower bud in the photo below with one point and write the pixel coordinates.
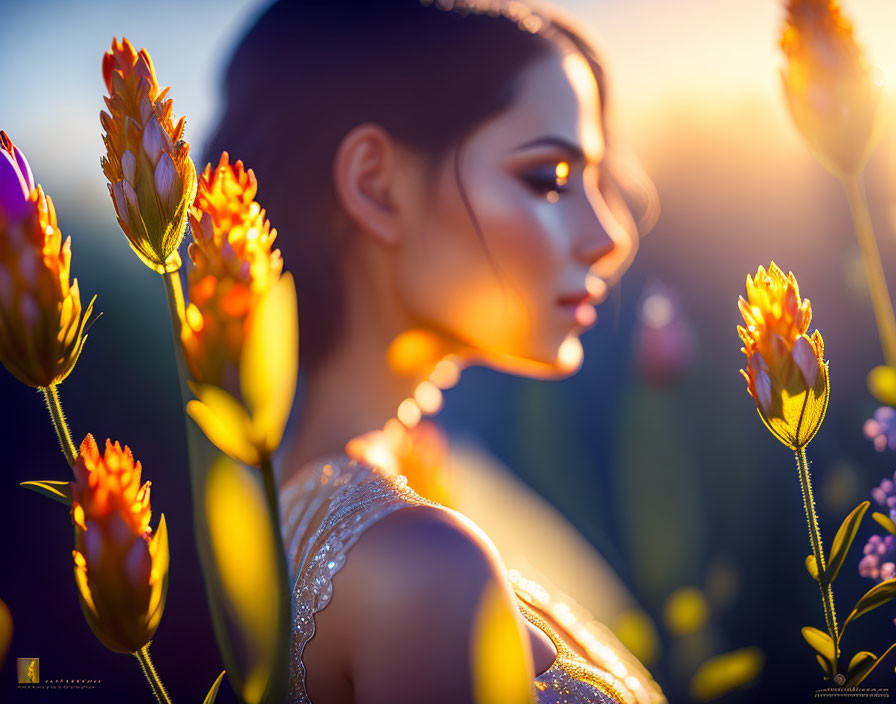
(233, 267)
(786, 373)
(152, 179)
(240, 339)
(121, 569)
(41, 325)
(831, 90)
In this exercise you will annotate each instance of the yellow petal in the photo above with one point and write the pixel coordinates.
(500, 660)
(685, 611)
(882, 384)
(158, 550)
(5, 631)
(723, 673)
(270, 361)
(224, 422)
(245, 557)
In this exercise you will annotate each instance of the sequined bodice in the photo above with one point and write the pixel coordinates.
(351, 497)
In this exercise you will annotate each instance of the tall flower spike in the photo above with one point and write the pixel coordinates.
(41, 326)
(786, 373)
(233, 267)
(152, 179)
(241, 334)
(831, 90)
(121, 568)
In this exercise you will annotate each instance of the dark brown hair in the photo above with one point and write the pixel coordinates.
(309, 71)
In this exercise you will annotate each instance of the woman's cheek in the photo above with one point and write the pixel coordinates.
(527, 246)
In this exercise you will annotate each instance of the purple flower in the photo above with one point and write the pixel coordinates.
(881, 429)
(879, 562)
(885, 496)
(16, 180)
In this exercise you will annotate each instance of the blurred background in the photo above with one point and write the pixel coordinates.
(653, 451)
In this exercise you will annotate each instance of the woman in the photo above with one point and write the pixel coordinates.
(439, 176)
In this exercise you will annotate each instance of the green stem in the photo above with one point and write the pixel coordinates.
(877, 283)
(51, 395)
(270, 489)
(827, 593)
(175, 294)
(155, 683)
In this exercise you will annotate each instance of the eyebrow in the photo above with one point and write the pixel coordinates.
(559, 142)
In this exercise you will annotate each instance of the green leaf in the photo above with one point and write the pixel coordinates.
(885, 521)
(862, 665)
(843, 540)
(213, 692)
(859, 667)
(812, 567)
(820, 641)
(58, 491)
(825, 664)
(876, 596)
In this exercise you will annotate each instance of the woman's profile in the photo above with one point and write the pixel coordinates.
(439, 176)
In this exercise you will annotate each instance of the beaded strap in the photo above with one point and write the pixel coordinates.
(362, 497)
(571, 678)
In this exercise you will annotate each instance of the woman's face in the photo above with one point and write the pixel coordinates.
(550, 247)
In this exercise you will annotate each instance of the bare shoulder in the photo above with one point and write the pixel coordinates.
(418, 579)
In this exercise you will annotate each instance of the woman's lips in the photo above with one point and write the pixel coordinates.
(573, 298)
(580, 306)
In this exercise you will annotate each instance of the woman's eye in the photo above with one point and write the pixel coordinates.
(549, 181)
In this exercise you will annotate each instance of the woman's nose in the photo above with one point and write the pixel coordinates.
(607, 242)
(594, 242)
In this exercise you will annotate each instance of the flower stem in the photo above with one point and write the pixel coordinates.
(51, 395)
(158, 689)
(175, 296)
(270, 488)
(827, 593)
(880, 295)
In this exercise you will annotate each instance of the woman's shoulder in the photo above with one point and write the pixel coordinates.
(406, 593)
(422, 582)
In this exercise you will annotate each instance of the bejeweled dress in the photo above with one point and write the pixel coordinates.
(351, 497)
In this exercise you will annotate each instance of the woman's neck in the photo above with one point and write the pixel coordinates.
(349, 395)
(358, 387)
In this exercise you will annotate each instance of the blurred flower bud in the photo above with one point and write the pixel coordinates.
(663, 345)
(881, 429)
(879, 561)
(885, 496)
(832, 92)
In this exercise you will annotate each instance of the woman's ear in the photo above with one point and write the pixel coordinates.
(365, 173)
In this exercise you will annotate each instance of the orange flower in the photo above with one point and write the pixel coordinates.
(41, 327)
(233, 268)
(786, 373)
(831, 90)
(152, 179)
(419, 453)
(240, 336)
(121, 569)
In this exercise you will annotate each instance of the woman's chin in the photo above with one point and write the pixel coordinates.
(556, 361)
